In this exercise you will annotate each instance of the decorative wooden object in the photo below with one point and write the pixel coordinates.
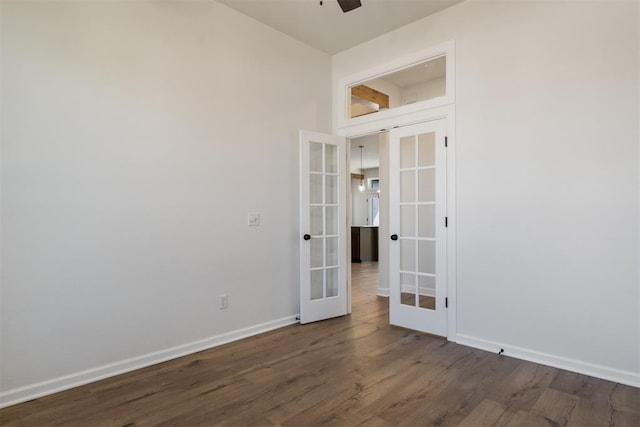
(371, 95)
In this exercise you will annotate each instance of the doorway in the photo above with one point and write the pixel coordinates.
(419, 295)
(368, 220)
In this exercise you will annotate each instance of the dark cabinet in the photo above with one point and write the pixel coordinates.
(364, 244)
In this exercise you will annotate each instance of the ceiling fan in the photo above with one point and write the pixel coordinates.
(348, 5)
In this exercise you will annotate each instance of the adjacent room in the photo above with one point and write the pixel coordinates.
(302, 212)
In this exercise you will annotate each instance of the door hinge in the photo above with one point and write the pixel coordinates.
(446, 302)
(446, 221)
(446, 141)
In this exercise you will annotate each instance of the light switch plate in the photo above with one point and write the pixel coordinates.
(253, 219)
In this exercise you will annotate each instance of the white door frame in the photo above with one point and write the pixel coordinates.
(446, 112)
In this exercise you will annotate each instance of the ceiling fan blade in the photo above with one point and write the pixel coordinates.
(347, 5)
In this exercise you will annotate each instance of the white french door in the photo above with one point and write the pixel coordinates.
(323, 227)
(417, 218)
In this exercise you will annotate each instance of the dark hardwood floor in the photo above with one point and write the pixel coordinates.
(348, 371)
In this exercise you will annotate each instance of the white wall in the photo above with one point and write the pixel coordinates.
(136, 137)
(547, 184)
(394, 92)
(358, 204)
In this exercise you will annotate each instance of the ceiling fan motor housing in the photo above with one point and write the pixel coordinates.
(348, 5)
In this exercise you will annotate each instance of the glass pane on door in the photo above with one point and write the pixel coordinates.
(332, 251)
(407, 289)
(427, 185)
(407, 220)
(407, 186)
(427, 292)
(427, 221)
(315, 157)
(317, 281)
(331, 163)
(316, 219)
(331, 189)
(332, 282)
(316, 252)
(407, 152)
(315, 188)
(427, 256)
(427, 149)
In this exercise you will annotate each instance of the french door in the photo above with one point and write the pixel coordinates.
(417, 219)
(323, 225)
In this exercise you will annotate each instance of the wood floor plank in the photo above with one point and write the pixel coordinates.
(624, 398)
(553, 407)
(457, 390)
(490, 413)
(348, 371)
(580, 385)
(522, 388)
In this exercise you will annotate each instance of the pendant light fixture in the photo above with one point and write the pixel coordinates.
(361, 186)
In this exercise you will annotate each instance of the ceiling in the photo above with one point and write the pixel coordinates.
(327, 28)
(370, 157)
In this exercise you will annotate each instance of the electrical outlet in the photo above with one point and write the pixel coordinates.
(223, 301)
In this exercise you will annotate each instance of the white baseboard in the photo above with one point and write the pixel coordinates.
(34, 391)
(598, 371)
(383, 292)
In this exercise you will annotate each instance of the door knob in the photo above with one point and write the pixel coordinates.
(394, 237)
(306, 237)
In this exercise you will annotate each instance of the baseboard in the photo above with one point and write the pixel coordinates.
(383, 292)
(593, 370)
(34, 391)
